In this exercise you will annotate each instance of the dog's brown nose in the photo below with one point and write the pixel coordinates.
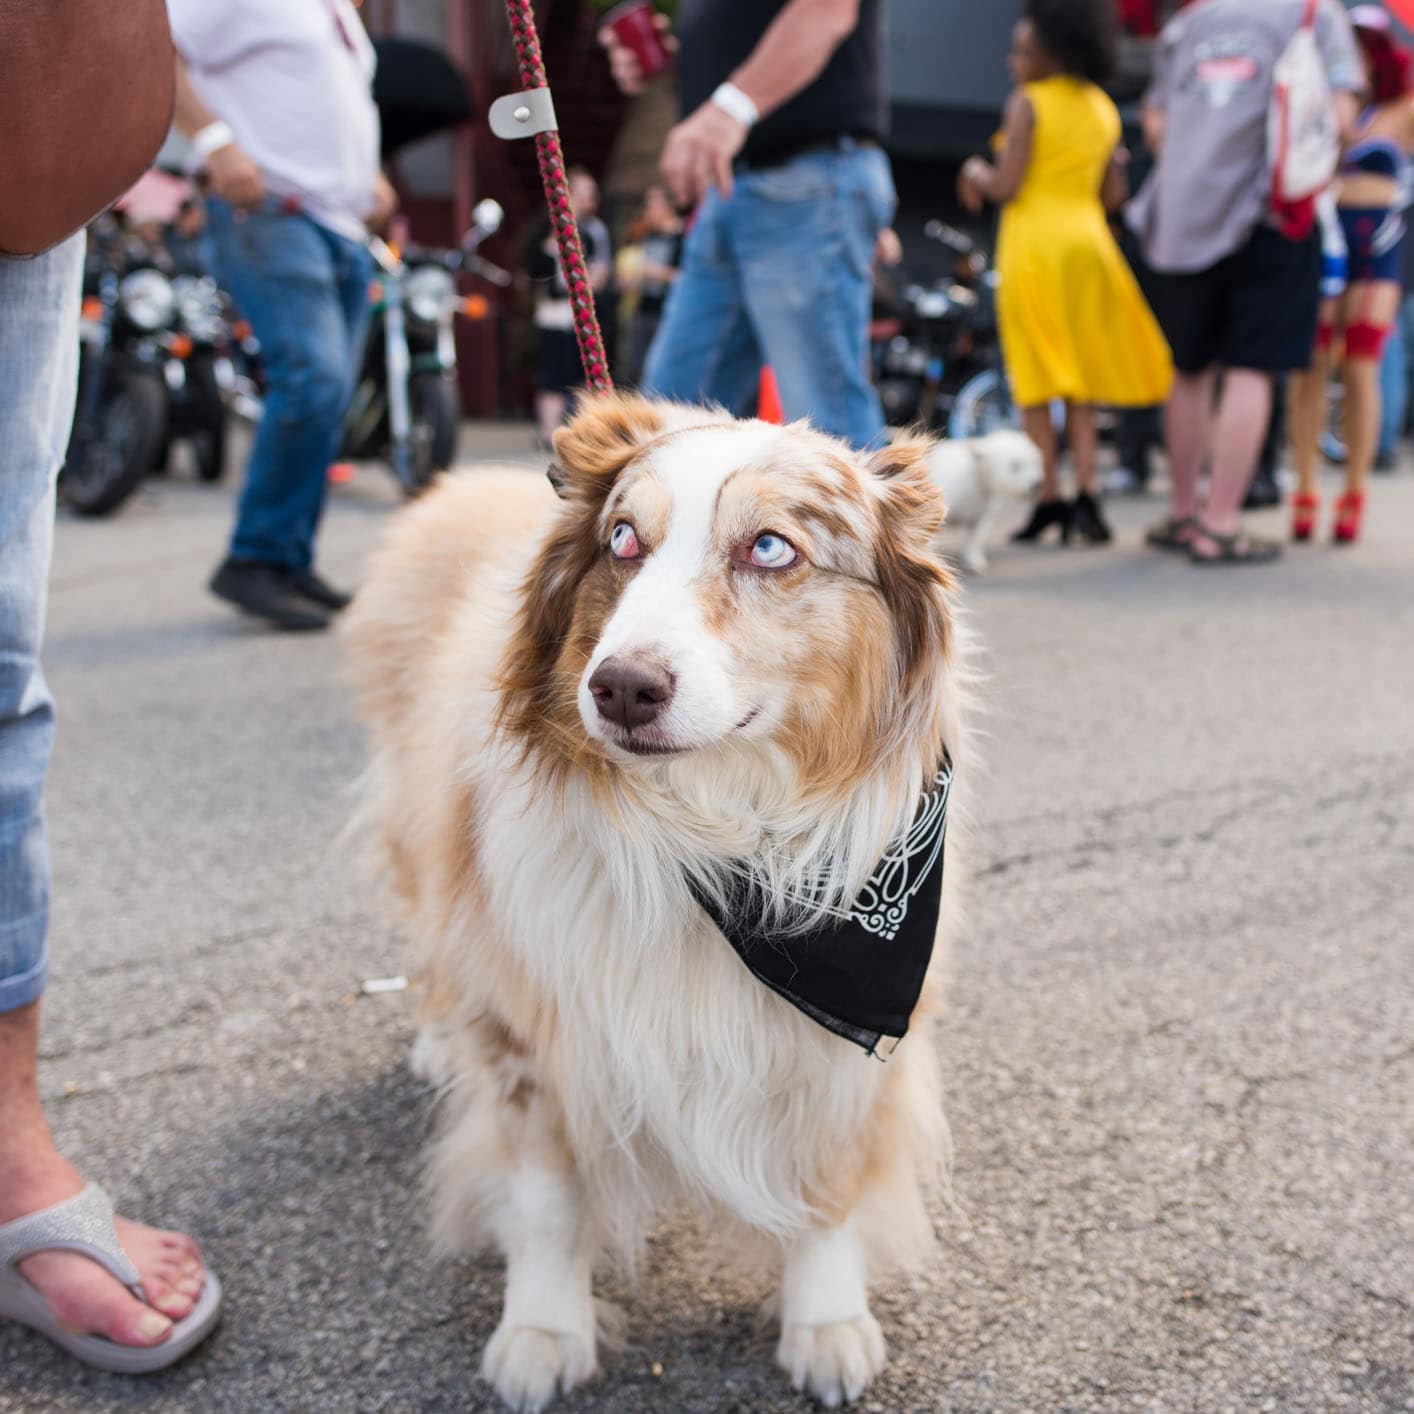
(631, 693)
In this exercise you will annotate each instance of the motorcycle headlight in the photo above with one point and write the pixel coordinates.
(145, 297)
(199, 306)
(934, 304)
(430, 292)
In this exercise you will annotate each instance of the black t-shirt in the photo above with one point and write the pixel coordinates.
(717, 36)
(543, 265)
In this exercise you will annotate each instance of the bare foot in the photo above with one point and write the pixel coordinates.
(86, 1299)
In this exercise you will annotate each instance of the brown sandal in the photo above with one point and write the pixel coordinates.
(1238, 548)
(1175, 533)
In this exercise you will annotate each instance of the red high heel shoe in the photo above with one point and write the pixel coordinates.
(1305, 506)
(1349, 511)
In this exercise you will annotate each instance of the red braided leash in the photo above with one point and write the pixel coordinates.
(552, 175)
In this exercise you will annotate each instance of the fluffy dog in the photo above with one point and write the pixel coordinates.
(727, 647)
(978, 477)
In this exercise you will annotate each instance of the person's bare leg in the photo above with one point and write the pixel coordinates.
(1362, 420)
(1307, 408)
(34, 1175)
(1080, 430)
(1188, 428)
(1036, 421)
(1244, 411)
(1374, 303)
(550, 414)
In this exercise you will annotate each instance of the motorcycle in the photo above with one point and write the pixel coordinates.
(943, 368)
(120, 416)
(406, 407)
(200, 375)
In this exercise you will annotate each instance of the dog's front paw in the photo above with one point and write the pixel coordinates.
(835, 1362)
(527, 1365)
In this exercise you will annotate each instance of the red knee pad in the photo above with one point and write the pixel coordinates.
(1366, 341)
(1325, 337)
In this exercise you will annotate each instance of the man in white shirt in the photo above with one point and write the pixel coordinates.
(275, 96)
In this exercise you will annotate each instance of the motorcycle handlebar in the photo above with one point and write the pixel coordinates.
(957, 241)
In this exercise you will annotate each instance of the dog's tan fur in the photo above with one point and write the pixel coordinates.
(608, 1051)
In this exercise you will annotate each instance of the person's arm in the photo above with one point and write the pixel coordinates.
(793, 52)
(231, 174)
(1114, 190)
(385, 203)
(980, 181)
(1347, 115)
(598, 255)
(1154, 121)
(790, 55)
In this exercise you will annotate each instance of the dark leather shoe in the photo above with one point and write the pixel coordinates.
(1263, 493)
(1043, 517)
(310, 586)
(265, 592)
(1088, 520)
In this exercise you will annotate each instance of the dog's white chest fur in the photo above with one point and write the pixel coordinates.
(684, 1074)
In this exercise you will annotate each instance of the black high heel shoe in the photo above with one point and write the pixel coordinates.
(1043, 517)
(1088, 520)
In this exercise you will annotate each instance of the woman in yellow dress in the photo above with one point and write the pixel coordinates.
(1075, 327)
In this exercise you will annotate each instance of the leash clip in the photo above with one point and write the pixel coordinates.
(524, 114)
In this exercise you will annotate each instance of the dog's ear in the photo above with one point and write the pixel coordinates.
(913, 580)
(913, 504)
(599, 442)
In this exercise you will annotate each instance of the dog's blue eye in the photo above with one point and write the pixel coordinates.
(623, 543)
(772, 552)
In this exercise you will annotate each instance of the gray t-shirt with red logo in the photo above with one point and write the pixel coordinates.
(1213, 81)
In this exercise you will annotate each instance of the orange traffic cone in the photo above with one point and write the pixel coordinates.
(768, 400)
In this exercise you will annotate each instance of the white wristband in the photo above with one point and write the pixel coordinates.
(212, 138)
(732, 101)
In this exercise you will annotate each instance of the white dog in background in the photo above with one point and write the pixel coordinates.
(978, 477)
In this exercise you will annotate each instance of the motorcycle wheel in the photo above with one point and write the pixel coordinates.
(208, 447)
(983, 404)
(208, 439)
(435, 408)
(102, 471)
(899, 399)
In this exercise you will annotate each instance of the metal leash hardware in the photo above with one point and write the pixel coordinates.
(531, 113)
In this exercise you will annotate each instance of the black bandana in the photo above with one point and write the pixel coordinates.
(859, 974)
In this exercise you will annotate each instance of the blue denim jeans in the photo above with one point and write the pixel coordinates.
(39, 347)
(304, 290)
(780, 272)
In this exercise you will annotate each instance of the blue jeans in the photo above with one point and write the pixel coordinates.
(39, 347)
(780, 272)
(304, 290)
(1396, 371)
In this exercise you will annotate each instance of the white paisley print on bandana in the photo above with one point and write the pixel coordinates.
(883, 902)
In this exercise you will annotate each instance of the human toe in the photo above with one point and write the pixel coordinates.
(86, 1300)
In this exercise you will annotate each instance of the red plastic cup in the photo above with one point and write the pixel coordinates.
(633, 27)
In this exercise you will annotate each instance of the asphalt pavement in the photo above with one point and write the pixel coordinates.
(1180, 1053)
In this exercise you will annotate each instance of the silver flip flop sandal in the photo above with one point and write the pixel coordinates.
(84, 1224)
